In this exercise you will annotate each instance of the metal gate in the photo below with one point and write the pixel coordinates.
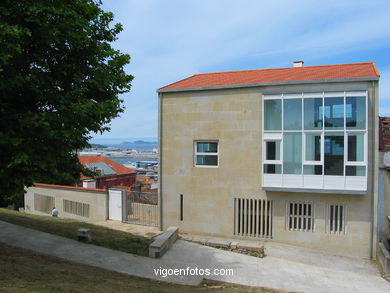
(142, 208)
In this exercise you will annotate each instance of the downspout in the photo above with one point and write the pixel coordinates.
(373, 173)
(160, 199)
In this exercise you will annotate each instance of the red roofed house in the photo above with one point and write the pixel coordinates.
(285, 154)
(110, 173)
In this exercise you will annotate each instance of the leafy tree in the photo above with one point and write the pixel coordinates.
(60, 80)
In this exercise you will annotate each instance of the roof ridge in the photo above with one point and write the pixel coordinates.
(279, 68)
(180, 80)
(341, 71)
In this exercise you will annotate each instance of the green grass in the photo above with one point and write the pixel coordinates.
(26, 271)
(101, 236)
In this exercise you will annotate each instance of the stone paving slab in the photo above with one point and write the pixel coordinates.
(218, 243)
(199, 240)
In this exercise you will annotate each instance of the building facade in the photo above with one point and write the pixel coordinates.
(287, 155)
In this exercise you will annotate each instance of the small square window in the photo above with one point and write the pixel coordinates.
(206, 153)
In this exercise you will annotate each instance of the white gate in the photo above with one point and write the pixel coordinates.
(115, 200)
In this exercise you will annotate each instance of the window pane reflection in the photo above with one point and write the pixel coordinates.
(334, 113)
(334, 154)
(313, 113)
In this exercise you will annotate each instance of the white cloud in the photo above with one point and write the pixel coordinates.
(170, 40)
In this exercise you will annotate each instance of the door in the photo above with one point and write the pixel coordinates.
(115, 205)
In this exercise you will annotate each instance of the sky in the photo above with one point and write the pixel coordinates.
(171, 40)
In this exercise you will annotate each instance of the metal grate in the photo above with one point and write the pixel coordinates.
(300, 216)
(76, 208)
(142, 208)
(253, 217)
(335, 219)
(43, 203)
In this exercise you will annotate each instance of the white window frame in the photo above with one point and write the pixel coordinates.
(321, 161)
(196, 153)
(272, 162)
(344, 181)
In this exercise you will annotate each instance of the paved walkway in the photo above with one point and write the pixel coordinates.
(324, 274)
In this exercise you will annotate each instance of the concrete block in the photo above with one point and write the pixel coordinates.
(233, 245)
(199, 240)
(218, 243)
(84, 234)
(252, 246)
(163, 242)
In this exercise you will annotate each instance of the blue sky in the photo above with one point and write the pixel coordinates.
(171, 40)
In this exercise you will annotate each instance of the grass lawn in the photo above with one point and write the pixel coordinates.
(26, 271)
(67, 228)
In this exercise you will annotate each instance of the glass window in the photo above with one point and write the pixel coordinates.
(312, 169)
(203, 160)
(334, 113)
(272, 169)
(292, 153)
(292, 114)
(272, 115)
(334, 154)
(206, 153)
(313, 147)
(355, 170)
(356, 112)
(356, 147)
(272, 150)
(207, 147)
(312, 110)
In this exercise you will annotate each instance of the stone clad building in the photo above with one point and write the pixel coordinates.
(285, 154)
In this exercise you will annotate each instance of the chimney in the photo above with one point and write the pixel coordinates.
(298, 63)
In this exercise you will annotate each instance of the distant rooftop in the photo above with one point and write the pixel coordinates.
(359, 71)
(108, 166)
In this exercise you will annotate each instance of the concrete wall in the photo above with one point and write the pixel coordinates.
(384, 196)
(234, 118)
(97, 201)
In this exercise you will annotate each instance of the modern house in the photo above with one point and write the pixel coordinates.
(110, 173)
(286, 154)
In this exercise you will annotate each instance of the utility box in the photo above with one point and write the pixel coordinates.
(84, 235)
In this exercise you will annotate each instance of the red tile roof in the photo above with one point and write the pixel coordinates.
(68, 187)
(249, 77)
(118, 168)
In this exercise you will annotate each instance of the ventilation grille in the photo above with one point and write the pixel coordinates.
(253, 217)
(76, 208)
(335, 218)
(300, 216)
(43, 203)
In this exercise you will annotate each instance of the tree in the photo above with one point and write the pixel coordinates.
(60, 80)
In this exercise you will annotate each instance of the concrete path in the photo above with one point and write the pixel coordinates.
(309, 273)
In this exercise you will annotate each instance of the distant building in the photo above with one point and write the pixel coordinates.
(110, 173)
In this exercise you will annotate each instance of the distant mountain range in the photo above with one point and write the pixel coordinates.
(137, 145)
